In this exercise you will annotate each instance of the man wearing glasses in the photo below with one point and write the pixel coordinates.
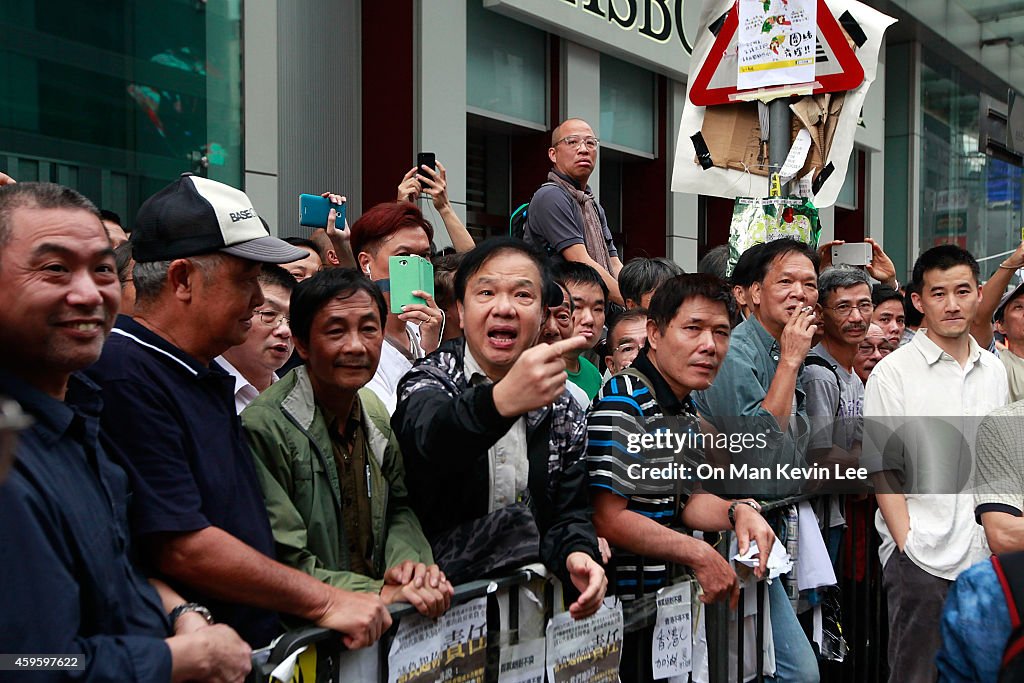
(564, 217)
(835, 394)
(254, 363)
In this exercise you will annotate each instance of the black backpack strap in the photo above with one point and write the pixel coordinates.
(812, 359)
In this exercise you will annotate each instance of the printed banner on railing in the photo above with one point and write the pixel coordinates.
(585, 650)
(452, 649)
(671, 646)
(522, 662)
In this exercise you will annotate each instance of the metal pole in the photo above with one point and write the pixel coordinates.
(779, 125)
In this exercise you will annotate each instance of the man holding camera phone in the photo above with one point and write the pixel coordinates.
(397, 229)
(425, 180)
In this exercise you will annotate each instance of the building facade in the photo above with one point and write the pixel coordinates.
(117, 98)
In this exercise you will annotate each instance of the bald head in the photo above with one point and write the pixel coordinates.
(556, 134)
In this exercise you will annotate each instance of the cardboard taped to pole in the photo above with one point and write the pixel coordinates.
(728, 181)
(732, 133)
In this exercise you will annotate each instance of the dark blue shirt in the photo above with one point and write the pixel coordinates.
(173, 425)
(67, 583)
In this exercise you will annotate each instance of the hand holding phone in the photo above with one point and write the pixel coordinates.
(427, 159)
(852, 254)
(409, 274)
(314, 210)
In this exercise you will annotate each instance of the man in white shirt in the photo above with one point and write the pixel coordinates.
(254, 363)
(918, 447)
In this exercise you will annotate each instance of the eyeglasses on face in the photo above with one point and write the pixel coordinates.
(271, 318)
(844, 309)
(576, 141)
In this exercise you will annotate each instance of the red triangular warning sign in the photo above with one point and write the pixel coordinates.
(836, 66)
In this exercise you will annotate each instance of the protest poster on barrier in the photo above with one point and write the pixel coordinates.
(585, 650)
(522, 662)
(672, 646)
(451, 649)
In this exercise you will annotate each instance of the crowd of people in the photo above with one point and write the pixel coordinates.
(236, 434)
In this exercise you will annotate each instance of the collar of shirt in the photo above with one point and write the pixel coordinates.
(244, 389)
(54, 418)
(473, 370)
(143, 336)
(933, 353)
(571, 181)
(352, 422)
(755, 330)
(667, 399)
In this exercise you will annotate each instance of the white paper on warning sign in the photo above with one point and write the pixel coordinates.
(586, 649)
(453, 647)
(672, 645)
(522, 662)
(688, 176)
(777, 40)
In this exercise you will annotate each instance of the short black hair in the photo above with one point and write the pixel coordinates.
(444, 278)
(944, 257)
(743, 271)
(761, 261)
(304, 243)
(312, 294)
(574, 272)
(641, 275)
(474, 259)
(108, 215)
(882, 293)
(676, 291)
(911, 316)
(276, 276)
(715, 262)
(625, 316)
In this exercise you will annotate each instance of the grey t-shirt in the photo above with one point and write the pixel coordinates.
(822, 394)
(555, 219)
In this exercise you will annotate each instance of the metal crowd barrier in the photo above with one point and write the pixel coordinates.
(863, 618)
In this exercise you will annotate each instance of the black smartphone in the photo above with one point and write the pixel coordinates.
(425, 159)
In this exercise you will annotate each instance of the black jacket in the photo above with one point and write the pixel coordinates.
(445, 428)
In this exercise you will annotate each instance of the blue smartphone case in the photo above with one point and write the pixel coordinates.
(314, 209)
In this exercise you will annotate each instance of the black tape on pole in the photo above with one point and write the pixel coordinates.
(822, 177)
(716, 25)
(853, 28)
(703, 153)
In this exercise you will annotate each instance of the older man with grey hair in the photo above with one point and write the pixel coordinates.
(835, 394)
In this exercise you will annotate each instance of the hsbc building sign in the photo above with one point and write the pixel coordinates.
(657, 34)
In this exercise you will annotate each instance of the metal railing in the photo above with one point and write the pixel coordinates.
(858, 573)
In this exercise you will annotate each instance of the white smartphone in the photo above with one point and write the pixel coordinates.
(852, 254)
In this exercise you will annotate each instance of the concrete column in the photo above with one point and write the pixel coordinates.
(581, 93)
(260, 97)
(682, 238)
(440, 35)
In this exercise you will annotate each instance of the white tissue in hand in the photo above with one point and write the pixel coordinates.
(779, 561)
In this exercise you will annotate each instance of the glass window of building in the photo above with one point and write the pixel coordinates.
(506, 67)
(119, 100)
(967, 197)
(627, 106)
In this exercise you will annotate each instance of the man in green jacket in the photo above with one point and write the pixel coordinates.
(328, 462)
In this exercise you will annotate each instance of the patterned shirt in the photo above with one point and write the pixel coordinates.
(625, 407)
